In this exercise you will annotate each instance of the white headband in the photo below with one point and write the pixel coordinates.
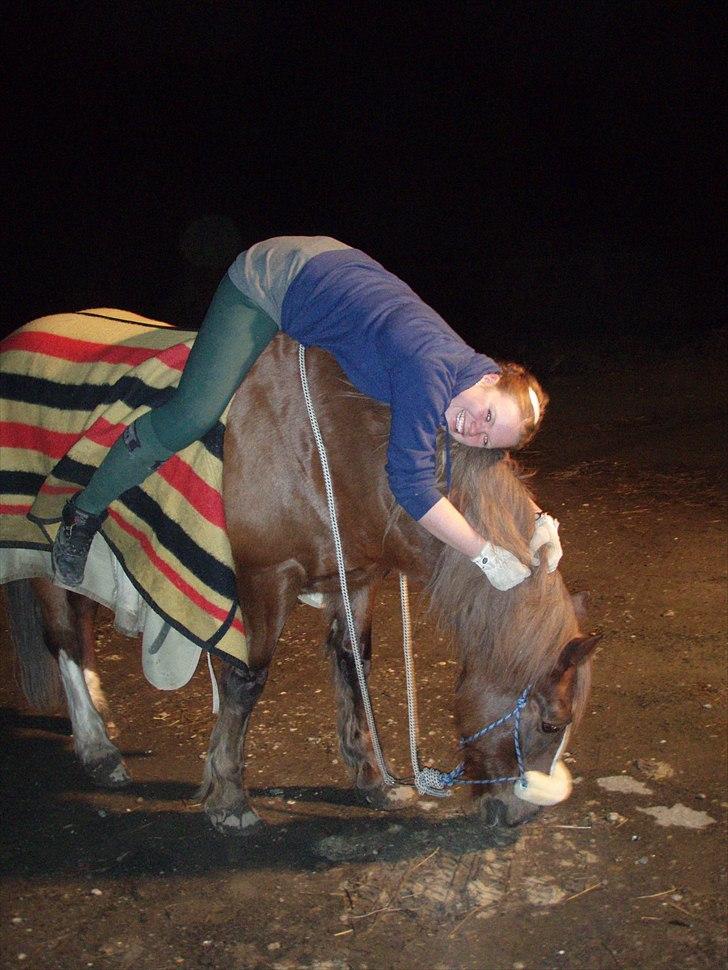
(535, 405)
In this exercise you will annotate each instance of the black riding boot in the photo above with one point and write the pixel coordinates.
(73, 541)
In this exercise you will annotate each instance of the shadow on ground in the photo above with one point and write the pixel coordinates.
(54, 827)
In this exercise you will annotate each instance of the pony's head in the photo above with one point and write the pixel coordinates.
(515, 764)
(525, 663)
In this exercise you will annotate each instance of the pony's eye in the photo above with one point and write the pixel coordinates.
(548, 728)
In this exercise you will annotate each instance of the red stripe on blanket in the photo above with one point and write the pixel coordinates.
(7, 509)
(55, 444)
(47, 489)
(103, 432)
(181, 584)
(200, 495)
(91, 352)
(176, 472)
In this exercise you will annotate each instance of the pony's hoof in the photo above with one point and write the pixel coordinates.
(232, 822)
(391, 798)
(110, 772)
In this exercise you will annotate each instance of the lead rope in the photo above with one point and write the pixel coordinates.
(366, 700)
(428, 781)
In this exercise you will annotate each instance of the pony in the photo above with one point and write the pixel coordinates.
(523, 647)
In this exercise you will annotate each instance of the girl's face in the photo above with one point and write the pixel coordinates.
(484, 416)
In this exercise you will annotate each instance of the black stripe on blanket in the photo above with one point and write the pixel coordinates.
(165, 328)
(20, 483)
(214, 574)
(82, 397)
(179, 543)
(87, 397)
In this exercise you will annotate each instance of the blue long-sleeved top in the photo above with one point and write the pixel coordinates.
(392, 347)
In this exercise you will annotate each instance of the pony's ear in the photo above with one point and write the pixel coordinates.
(576, 652)
(580, 602)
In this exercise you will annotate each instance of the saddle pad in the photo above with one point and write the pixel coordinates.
(71, 384)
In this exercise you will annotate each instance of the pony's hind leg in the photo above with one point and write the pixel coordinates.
(85, 611)
(68, 634)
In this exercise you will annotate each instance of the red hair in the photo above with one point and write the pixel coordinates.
(520, 383)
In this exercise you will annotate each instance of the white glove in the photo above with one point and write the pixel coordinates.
(546, 534)
(503, 569)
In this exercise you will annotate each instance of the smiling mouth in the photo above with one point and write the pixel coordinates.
(460, 422)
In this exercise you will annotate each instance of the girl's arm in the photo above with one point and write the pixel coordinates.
(501, 567)
(447, 524)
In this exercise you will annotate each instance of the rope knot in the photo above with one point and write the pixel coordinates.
(430, 781)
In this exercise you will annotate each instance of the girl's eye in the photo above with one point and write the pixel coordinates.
(548, 728)
(488, 416)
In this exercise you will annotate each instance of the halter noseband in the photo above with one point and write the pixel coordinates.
(454, 777)
(536, 787)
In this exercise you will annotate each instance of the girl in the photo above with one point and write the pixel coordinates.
(391, 345)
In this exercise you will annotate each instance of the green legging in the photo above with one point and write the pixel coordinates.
(231, 338)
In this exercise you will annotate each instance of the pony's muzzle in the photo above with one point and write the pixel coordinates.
(494, 812)
(538, 788)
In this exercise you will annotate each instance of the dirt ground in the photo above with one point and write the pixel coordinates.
(629, 873)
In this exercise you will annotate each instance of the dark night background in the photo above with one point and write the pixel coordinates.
(546, 175)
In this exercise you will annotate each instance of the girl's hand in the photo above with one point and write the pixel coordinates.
(502, 568)
(546, 534)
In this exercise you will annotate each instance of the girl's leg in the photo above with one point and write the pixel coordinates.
(231, 338)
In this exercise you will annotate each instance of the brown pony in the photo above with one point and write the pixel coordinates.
(280, 534)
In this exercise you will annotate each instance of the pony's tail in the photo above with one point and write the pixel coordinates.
(39, 674)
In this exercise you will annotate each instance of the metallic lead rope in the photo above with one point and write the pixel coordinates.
(428, 781)
(366, 700)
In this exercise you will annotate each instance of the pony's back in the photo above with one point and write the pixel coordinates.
(273, 484)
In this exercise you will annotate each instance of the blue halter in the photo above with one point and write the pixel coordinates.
(446, 779)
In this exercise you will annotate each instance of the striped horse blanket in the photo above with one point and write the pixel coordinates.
(71, 383)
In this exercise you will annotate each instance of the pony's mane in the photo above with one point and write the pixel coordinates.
(514, 636)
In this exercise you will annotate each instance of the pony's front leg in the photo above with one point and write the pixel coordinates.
(355, 740)
(223, 788)
(267, 598)
(68, 630)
